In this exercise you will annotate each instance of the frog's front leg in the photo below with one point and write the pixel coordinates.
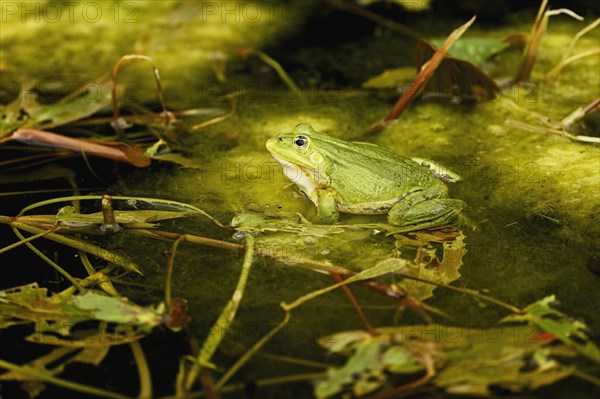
(420, 211)
(326, 208)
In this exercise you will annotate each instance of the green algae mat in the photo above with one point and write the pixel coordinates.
(338, 199)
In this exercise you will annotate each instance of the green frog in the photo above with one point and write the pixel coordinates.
(364, 178)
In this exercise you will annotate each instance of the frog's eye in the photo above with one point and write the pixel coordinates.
(301, 143)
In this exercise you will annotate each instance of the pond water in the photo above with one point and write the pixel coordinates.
(529, 231)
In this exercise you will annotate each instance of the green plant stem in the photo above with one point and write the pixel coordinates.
(289, 82)
(143, 370)
(24, 241)
(163, 202)
(49, 261)
(38, 375)
(586, 377)
(100, 278)
(222, 324)
(553, 74)
(169, 271)
(106, 285)
(248, 355)
(467, 291)
(77, 244)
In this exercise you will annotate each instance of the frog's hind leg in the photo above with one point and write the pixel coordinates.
(420, 212)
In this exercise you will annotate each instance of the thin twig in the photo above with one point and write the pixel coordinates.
(115, 73)
(422, 78)
(355, 305)
(169, 271)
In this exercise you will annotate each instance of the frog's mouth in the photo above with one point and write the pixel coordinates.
(298, 176)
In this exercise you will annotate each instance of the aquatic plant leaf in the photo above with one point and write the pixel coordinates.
(477, 374)
(365, 369)
(475, 50)
(117, 310)
(455, 79)
(370, 358)
(569, 331)
(66, 217)
(93, 98)
(439, 258)
(467, 361)
(30, 303)
(27, 112)
(397, 359)
(423, 77)
(391, 78)
(10, 118)
(25, 120)
(498, 357)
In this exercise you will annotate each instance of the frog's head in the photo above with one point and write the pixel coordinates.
(302, 157)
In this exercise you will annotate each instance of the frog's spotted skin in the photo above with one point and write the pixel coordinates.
(363, 178)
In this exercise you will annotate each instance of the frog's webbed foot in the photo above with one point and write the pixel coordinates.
(326, 209)
(425, 214)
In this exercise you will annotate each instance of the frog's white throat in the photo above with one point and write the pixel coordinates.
(298, 177)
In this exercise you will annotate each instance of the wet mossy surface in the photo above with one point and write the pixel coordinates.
(533, 199)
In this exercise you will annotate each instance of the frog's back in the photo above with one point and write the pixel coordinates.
(369, 174)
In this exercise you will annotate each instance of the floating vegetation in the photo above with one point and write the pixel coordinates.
(181, 263)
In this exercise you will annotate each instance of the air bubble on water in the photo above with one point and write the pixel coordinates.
(238, 235)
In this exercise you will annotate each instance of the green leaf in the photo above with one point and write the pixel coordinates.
(25, 111)
(466, 361)
(96, 96)
(56, 314)
(565, 328)
(476, 50)
(363, 371)
(117, 310)
(391, 78)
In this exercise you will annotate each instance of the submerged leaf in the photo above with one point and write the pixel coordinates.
(26, 112)
(366, 368)
(565, 328)
(466, 361)
(92, 97)
(438, 259)
(56, 314)
(391, 78)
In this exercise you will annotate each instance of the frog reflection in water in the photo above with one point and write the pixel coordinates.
(363, 178)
